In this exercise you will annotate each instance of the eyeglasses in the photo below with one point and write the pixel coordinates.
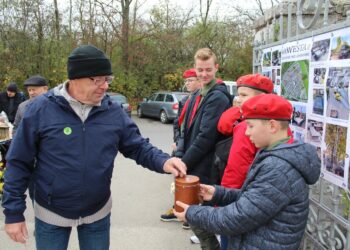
(101, 81)
(190, 80)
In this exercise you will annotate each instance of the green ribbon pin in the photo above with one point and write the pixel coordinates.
(67, 130)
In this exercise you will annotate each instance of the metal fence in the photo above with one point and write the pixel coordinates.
(328, 225)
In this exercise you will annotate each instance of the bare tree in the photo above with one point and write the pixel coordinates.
(255, 12)
(57, 21)
(204, 11)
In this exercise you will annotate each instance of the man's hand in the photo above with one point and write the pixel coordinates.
(175, 166)
(206, 192)
(17, 231)
(181, 215)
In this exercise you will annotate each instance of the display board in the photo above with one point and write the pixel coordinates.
(314, 75)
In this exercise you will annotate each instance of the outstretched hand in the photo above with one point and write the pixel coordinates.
(175, 166)
(181, 215)
(206, 192)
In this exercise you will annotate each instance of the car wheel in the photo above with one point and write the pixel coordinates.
(163, 117)
(139, 112)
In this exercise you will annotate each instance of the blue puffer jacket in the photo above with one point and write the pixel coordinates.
(74, 160)
(271, 209)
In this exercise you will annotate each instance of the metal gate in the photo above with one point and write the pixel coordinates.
(328, 225)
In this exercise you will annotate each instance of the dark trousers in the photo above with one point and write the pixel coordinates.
(208, 240)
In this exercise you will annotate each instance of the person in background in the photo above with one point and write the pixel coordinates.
(10, 100)
(35, 85)
(68, 140)
(270, 210)
(192, 85)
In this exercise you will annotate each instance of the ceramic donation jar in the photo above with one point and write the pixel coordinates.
(186, 191)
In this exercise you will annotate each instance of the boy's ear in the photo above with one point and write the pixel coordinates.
(274, 126)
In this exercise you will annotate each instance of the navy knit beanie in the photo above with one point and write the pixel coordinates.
(88, 61)
(12, 87)
(35, 81)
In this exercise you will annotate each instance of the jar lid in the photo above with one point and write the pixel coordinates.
(188, 179)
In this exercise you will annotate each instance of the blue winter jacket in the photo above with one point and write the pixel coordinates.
(271, 209)
(74, 159)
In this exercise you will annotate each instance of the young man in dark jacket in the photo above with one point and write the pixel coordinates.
(73, 134)
(200, 133)
(270, 211)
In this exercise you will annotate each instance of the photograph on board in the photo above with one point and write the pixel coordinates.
(314, 131)
(340, 47)
(299, 115)
(320, 50)
(337, 93)
(318, 101)
(319, 77)
(295, 80)
(335, 152)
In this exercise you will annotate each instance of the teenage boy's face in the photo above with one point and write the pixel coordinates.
(206, 70)
(258, 132)
(244, 94)
(192, 84)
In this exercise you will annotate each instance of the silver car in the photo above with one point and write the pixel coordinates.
(162, 105)
(122, 100)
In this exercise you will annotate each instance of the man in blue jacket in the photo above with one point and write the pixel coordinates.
(67, 140)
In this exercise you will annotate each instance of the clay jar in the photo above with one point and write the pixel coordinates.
(186, 191)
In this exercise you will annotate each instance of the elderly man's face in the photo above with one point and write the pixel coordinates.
(34, 91)
(10, 93)
(89, 90)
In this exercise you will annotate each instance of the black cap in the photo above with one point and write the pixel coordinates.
(87, 61)
(35, 81)
(12, 87)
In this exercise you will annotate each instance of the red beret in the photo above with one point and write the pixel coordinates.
(189, 73)
(256, 81)
(219, 81)
(267, 106)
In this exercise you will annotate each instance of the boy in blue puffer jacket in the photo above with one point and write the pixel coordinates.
(270, 211)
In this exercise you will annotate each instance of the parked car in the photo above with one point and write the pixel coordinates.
(122, 100)
(163, 105)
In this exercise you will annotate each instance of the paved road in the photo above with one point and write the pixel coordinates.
(139, 197)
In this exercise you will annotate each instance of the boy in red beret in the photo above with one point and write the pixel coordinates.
(242, 151)
(270, 211)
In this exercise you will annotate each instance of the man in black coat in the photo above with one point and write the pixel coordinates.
(200, 133)
(206, 107)
(10, 100)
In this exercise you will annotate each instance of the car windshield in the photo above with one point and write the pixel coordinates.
(119, 98)
(179, 97)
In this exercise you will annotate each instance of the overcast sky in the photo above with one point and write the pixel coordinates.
(223, 7)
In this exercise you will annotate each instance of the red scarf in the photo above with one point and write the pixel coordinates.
(194, 110)
(183, 112)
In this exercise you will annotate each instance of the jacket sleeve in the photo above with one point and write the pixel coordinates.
(242, 153)
(207, 136)
(134, 146)
(19, 166)
(263, 198)
(18, 117)
(224, 196)
(228, 120)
